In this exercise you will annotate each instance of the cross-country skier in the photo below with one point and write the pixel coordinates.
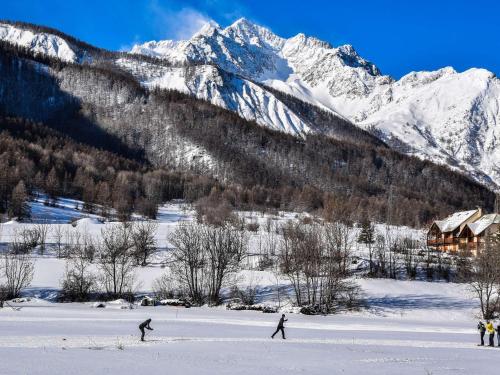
(143, 325)
(491, 331)
(482, 330)
(281, 327)
(498, 333)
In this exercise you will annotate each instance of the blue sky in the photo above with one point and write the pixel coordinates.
(398, 36)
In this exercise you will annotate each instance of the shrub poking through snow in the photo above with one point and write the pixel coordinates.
(238, 306)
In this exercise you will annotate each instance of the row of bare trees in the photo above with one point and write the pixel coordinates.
(107, 264)
(315, 258)
(67, 240)
(393, 254)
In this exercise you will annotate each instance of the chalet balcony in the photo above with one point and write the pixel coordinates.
(441, 241)
(434, 242)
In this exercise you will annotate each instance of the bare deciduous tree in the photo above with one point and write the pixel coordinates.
(226, 248)
(143, 233)
(24, 241)
(189, 260)
(409, 250)
(116, 260)
(3, 294)
(58, 235)
(463, 265)
(78, 281)
(367, 237)
(41, 230)
(485, 277)
(205, 258)
(17, 272)
(164, 287)
(381, 256)
(315, 259)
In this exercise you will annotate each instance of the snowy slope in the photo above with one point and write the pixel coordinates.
(444, 116)
(448, 116)
(48, 44)
(208, 82)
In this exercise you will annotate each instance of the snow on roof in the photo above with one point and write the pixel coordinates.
(483, 222)
(453, 221)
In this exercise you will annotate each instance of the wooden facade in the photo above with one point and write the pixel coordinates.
(446, 235)
(474, 235)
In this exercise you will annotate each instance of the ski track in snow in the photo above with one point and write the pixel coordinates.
(112, 342)
(254, 323)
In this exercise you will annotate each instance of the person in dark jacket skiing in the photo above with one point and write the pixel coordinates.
(281, 327)
(482, 331)
(498, 334)
(143, 325)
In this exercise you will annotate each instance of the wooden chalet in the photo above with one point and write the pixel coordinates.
(474, 235)
(444, 234)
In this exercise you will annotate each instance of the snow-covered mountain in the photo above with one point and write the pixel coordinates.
(445, 116)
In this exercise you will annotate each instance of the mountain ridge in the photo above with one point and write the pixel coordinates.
(339, 80)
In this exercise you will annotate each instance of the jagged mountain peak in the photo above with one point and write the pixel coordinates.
(210, 29)
(310, 41)
(245, 32)
(255, 52)
(351, 58)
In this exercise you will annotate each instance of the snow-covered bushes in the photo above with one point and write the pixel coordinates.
(176, 302)
(238, 306)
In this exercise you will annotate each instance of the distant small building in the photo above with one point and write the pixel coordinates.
(444, 234)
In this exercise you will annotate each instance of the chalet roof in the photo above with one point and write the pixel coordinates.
(483, 222)
(453, 221)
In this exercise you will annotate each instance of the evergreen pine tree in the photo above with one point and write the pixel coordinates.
(367, 237)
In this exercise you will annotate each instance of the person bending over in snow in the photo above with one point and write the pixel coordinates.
(143, 325)
(482, 330)
(491, 331)
(281, 327)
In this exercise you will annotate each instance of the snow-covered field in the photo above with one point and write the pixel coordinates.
(410, 327)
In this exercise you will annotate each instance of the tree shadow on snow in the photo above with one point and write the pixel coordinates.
(417, 302)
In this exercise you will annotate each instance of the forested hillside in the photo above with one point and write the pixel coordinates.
(349, 173)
